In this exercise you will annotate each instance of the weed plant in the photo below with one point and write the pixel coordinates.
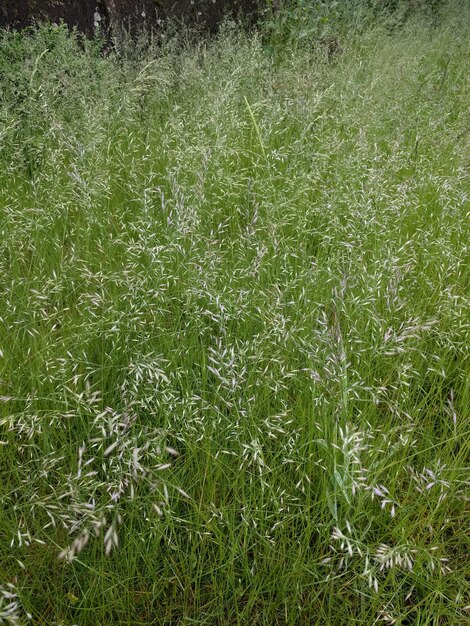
(234, 328)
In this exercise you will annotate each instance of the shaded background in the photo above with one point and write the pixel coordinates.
(113, 13)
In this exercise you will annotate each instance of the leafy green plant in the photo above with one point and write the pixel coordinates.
(234, 327)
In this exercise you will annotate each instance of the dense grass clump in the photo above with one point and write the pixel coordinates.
(234, 328)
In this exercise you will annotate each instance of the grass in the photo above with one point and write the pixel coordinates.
(234, 329)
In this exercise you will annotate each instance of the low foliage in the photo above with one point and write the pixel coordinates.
(234, 329)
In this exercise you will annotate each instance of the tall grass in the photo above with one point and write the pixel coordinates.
(234, 329)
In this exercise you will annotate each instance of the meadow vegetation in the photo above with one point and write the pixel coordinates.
(234, 324)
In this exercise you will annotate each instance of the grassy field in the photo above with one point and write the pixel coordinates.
(235, 327)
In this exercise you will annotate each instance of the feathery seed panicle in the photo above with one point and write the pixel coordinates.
(234, 324)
